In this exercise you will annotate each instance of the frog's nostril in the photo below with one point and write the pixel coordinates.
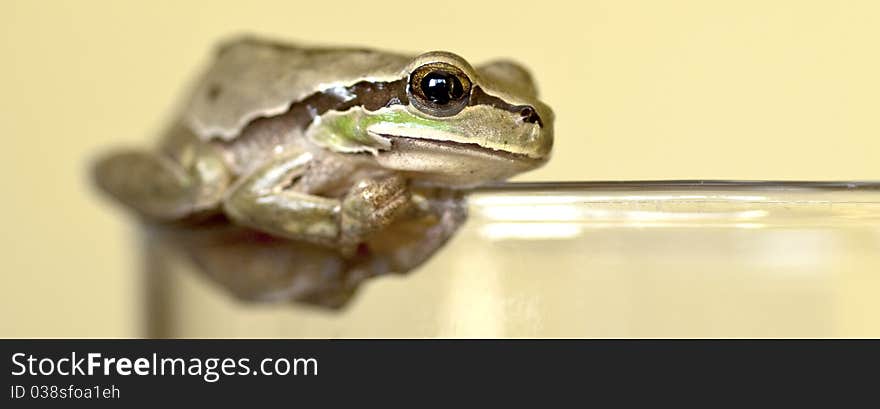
(529, 115)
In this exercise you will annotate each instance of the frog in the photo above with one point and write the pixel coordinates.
(294, 173)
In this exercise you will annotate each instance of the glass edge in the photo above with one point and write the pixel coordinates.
(865, 185)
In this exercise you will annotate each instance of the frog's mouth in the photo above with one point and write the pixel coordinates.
(452, 163)
(468, 148)
(516, 141)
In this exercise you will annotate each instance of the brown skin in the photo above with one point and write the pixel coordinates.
(302, 190)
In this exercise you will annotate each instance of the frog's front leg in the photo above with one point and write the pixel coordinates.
(279, 199)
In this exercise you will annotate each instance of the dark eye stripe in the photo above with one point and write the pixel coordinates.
(373, 96)
(370, 95)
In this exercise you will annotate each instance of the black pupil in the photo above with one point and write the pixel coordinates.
(441, 87)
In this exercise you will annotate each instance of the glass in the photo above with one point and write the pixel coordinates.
(603, 259)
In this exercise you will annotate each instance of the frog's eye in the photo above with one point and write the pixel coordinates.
(439, 89)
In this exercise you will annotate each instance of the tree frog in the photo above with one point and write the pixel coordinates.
(296, 173)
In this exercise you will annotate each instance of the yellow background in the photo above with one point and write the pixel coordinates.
(641, 89)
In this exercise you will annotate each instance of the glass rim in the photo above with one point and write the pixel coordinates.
(683, 184)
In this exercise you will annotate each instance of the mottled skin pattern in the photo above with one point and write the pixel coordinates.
(296, 173)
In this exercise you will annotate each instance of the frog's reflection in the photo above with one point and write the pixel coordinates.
(255, 266)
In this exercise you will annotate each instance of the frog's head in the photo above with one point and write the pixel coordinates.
(452, 124)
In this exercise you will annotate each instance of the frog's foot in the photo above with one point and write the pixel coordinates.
(412, 239)
(370, 206)
(160, 188)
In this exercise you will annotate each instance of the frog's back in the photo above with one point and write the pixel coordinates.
(252, 78)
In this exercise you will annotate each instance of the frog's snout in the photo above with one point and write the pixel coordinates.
(529, 115)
